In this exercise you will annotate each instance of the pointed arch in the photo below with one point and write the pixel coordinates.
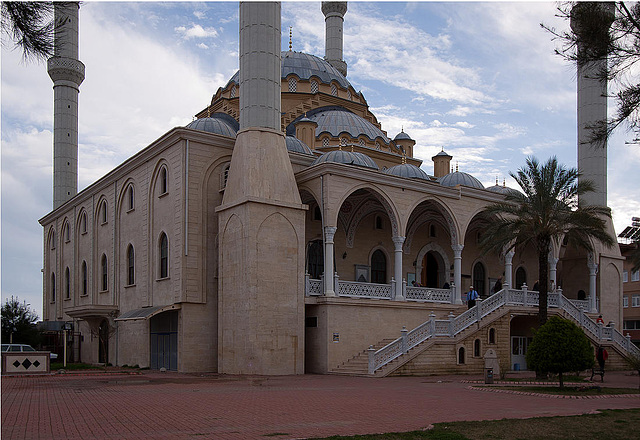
(448, 220)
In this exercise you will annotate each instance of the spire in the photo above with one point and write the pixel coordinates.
(290, 38)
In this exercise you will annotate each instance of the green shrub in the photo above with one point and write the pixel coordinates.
(560, 346)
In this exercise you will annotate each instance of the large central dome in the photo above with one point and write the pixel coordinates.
(305, 66)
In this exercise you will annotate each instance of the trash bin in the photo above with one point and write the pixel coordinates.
(488, 375)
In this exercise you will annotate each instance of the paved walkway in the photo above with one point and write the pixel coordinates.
(156, 405)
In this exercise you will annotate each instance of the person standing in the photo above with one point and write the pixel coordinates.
(497, 287)
(472, 296)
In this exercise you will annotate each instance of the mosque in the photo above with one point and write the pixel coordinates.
(283, 231)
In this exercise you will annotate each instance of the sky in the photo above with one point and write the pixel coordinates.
(478, 79)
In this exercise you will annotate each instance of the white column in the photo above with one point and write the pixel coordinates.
(593, 271)
(398, 241)
(553, 262)
(457, 272)
(508, 268)
(334, 18)
(329, 232)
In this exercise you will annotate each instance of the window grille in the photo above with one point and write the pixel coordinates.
(314, 86)
(293, 85)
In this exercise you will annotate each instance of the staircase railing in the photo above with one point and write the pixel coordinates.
(523, 298)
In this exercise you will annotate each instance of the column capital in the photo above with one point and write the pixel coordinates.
(593, 268)
(457, 250)
(329, 232)
(398, 241)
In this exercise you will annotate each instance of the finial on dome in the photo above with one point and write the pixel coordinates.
(504, 182)
(340, 146)
(496, 180)
(208, 112)
(452, 168)
(290, 38)
(404, 158)
(352, 148)
(456, 166)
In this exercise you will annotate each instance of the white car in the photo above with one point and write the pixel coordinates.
(24, 347)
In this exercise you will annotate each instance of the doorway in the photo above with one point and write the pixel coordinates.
(103, 342)
(164, 341)
(519, 345)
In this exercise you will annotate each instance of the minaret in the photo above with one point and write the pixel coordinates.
(334, 20)
(67, 73)
(592, 100)
(261, 219)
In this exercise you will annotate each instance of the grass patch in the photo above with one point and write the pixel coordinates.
(590, 390)
(76, 366)
(551, 379)
(608, 424)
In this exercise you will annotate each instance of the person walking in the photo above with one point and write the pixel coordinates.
(472, 296)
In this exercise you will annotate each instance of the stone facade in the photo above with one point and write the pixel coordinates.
(239, 249)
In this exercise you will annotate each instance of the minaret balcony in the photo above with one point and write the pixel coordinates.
(65, 69)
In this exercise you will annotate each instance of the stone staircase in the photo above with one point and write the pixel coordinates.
(358, 365)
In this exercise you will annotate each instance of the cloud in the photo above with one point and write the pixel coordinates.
(196, 31)
(202, 46)
(199, 15)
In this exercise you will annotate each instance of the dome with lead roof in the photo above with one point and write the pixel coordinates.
(408, 171)
(460, 178)
(305, 66)
(297, 146)
(217, 123)
(347, 158)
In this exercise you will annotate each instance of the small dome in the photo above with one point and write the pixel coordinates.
(408, 171)
(442, 153)
(297, 146)
(218, 123)
(402, 136)
(501, 189)
(460, 178)
(348, 158)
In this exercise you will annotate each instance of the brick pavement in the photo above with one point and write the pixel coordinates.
(156, 405)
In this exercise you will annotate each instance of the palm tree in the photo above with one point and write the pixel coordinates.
(30, 25)
(547, 212)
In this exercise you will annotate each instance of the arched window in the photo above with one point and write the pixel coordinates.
(334, 90)
(164, 256)
(461, 355)
(52, 240)
(105, 273)
(163, 181)
(130, 266)
(66, 234)
(130, 198)
(478, 278)
(378, 224)
(378, 267)
(317, 215)
(84, 278)
(233, 92)
(224, 177)
(492, 335)
(325, 142)
(314, 86)
(432, 230)
(521, 277)
(53, 287)
(361, 142)
(293, 84)
(103, 212)
(315, 260)
(349, 94)
(83, 223)
(67, 284)
(476, 348)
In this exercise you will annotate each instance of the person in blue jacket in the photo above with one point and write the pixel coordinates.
(472, 296)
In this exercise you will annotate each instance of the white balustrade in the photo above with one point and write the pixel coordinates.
(454, 325)
(428, 294)
(365, 290)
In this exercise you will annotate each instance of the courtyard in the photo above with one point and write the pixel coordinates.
(154, 405)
